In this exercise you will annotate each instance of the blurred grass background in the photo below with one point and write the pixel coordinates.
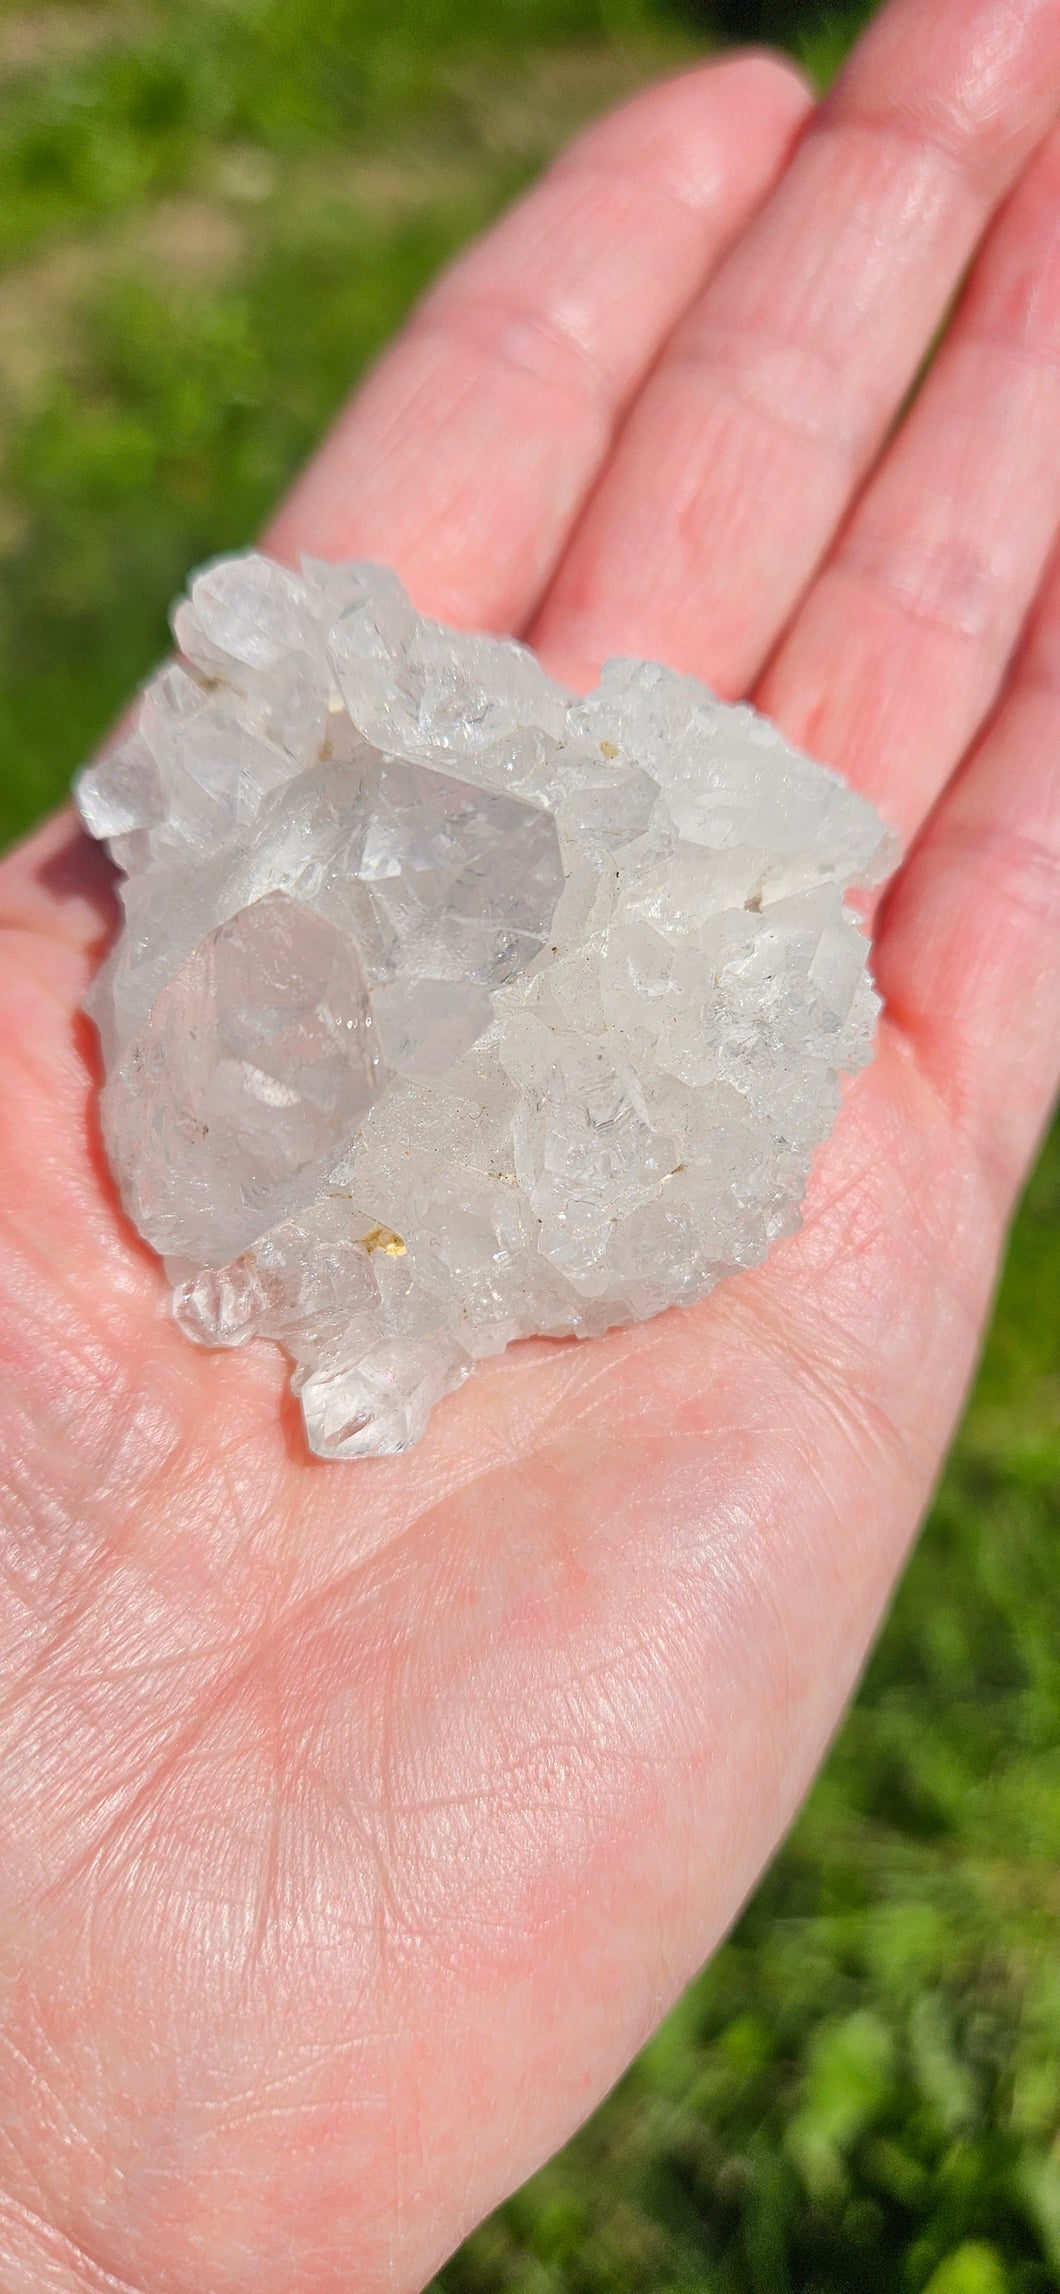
(212, 212)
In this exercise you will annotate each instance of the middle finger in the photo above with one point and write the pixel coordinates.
(898, 651)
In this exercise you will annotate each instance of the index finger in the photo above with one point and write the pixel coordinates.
(465, 457)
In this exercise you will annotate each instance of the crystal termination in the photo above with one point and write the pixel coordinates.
(451, 1008)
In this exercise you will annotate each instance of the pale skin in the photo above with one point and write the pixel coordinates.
(359, 1822)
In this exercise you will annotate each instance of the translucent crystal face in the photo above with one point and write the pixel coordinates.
(451, 1008)
(254, 1068)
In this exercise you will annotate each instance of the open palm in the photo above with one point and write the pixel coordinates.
(358, 1823)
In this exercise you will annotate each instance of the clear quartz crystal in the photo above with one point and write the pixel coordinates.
(451, 1008)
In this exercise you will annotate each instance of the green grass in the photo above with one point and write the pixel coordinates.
(211, 215)
(210, 219)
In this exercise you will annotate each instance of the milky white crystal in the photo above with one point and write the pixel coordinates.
(449, 1007)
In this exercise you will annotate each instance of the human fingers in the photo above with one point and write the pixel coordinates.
(465, 456)
(740, 457)
(897, 653)
(968, 956)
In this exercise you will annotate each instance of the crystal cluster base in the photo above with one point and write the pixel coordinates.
(452, 1008)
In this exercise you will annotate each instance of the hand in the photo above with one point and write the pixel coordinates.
(360, 1822)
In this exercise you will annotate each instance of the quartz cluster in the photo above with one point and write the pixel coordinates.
(451, 1007)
